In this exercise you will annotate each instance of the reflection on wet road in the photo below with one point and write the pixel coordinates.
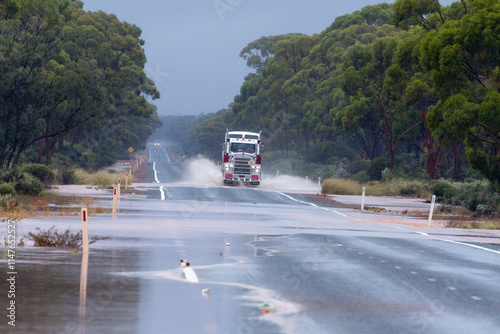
(273, 263)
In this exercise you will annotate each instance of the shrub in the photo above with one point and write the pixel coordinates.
(444, 191)
(360, 177)
(7, 189)
(479, 199)
(52, 238)
(376, 167)
(27, 184)
(9, 175)
(68, 176)
(42, 172)
(60, 160)
(7, 201)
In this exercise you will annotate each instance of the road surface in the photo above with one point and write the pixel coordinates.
(273, 262)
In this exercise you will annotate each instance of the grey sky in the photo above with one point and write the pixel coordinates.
(193, 46)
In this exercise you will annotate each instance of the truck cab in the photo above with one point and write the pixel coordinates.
(241, 154)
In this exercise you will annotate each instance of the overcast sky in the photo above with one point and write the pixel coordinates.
(193, 46)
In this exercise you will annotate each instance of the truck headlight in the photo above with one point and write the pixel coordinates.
(227, 167)
(257, 168)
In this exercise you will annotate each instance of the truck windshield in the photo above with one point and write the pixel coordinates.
(243, 147)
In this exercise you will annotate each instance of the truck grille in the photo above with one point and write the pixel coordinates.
(241, 165)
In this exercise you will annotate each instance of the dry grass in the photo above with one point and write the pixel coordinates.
(395, 187)
(341, 187)
(376, 188)
(467, 223)
(103, 179)
(49, 205)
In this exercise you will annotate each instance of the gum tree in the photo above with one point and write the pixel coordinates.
(462, 59)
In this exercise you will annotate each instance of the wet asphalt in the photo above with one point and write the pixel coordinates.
(273, 263)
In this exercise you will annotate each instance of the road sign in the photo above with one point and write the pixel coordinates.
(137, 156)
(130, 149)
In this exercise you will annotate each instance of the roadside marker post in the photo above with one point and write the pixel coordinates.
(363, 199)
(119, 189)
(114, 202)
(126, 180)
(85, 231)
(432, 209)
(319, 185)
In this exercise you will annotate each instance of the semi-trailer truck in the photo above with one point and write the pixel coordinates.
(241, 154)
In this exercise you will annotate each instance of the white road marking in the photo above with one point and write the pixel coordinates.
(162, 192)
(470, 245)
(156, 173)
(317, 206)
(446, 240)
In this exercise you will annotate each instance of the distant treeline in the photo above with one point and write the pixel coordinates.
(72, 85)
(413, 84)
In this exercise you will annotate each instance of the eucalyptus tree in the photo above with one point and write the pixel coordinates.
(64, 69)
(374, 97)
(463, 60)
(30, 38)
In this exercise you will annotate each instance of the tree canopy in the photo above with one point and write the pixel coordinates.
(411, 79)
(71, 77)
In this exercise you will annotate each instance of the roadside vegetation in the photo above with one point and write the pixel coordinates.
(53, 238)
(23, 190)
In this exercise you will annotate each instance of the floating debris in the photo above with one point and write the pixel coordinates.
(266, 308)
(205, 292)
(189, 273)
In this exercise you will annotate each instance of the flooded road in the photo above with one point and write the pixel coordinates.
(266, 261)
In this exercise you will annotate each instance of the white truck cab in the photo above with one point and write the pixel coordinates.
(241, 154)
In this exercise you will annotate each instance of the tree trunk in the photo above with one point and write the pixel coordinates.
(298, 143)
(456, 153)
(40, 151)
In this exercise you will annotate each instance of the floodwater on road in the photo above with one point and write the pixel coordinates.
(133, 283)
(265, 262)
